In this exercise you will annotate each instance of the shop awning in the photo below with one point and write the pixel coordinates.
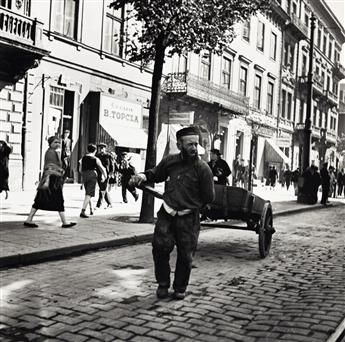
(127, 136)
(273, 154)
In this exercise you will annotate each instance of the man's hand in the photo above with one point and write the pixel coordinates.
(137, 179)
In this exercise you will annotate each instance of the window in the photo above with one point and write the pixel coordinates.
(289, 106)
(289, 52)
(243, 80)
(324, 44)
(304, 65)
(226, 72)
(246, 30)
(206, 66)
(319, 33)
(330, 45)
(320, 119)
(328, 84)
(56, 97)
(270, 90)
(283, 103)
(301, 112)
(257, 92)
(314, 116)
(113, 32)
(261, 36)
(273, 53)
(306, 19)
(64, 17)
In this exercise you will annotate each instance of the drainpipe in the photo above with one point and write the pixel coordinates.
(24, 129)
(295, 105)
(42, 127)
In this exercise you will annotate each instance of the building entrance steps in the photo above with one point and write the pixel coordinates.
(110, 227)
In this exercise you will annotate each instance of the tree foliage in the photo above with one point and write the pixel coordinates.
(185, 25)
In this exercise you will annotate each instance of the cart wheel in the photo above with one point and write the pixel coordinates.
(265, 230)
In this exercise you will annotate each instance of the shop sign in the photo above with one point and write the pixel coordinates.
(264, 131)
(116, 112)
(283, 141)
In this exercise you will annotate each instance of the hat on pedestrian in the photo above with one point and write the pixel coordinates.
(190, 130)
(102, 145)
(51, 139)
(215, 151)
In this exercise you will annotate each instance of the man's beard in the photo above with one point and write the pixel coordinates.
(189, 157)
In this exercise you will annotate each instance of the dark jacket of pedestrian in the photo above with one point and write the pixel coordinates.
(272, 176)
(219, 168)
(341, 181)
(127, 170)
(287, 175)
(5, 151)
(325, 183)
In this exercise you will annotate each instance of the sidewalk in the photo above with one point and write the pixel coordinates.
(107, 228)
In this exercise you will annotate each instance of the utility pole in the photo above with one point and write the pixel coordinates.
(302, 196)
(307, 124)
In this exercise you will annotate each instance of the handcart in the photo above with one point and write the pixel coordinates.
(235, 203)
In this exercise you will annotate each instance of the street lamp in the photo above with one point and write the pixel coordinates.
(302, 198)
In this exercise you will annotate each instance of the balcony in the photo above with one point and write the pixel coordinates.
(317, 84)
(278, 13)
(20, 45)
(330, 98)
(315, 131)
(204, 90)
(298, 28)
(339, 70)
(331, 137)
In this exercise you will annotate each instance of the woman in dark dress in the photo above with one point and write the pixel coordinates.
(89, 165)
(5, 152)
(49, 192)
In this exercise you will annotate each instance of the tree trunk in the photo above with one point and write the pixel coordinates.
(147, 204)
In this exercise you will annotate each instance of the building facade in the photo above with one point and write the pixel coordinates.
(85, 85)
(257, 88)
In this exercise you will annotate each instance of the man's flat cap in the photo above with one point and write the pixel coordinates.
(215, 151)
(190, 130)
(102, 145)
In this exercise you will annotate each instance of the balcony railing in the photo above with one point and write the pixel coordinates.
(204, 90)
(315, 131)
(19, 28)
(339, 70)
(297, 26)
(330, 97)
(317, 82)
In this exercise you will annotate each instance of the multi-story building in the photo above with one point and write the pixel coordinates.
(329, 36)
(85, 85)
(21, 48)
(232, 96)
(341, 124)
(257, 88)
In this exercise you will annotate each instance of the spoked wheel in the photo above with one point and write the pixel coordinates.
(265, 230)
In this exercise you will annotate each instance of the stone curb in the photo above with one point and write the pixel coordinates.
(63, 252)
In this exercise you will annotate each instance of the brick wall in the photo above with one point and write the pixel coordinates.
(11, 114)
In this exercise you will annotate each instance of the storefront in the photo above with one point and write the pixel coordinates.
(115, 121)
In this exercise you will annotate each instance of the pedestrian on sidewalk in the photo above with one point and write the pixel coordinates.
(108, 164)
(272, 176)
(219, 167)
(5, 151)
(66, 147)
(332, 182)
(341, 182)
(188, 187)
(127, 170)
(294, 178)
(287, 175)
(325, 183)
(49, 194)
(89, 168)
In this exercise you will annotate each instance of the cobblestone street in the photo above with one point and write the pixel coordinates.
(295, 294)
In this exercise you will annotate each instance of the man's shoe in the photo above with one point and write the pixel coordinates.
(30, 225)
(179, 295)
(125, 201)
(68, 225)
(162, 292)
(83, 215)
